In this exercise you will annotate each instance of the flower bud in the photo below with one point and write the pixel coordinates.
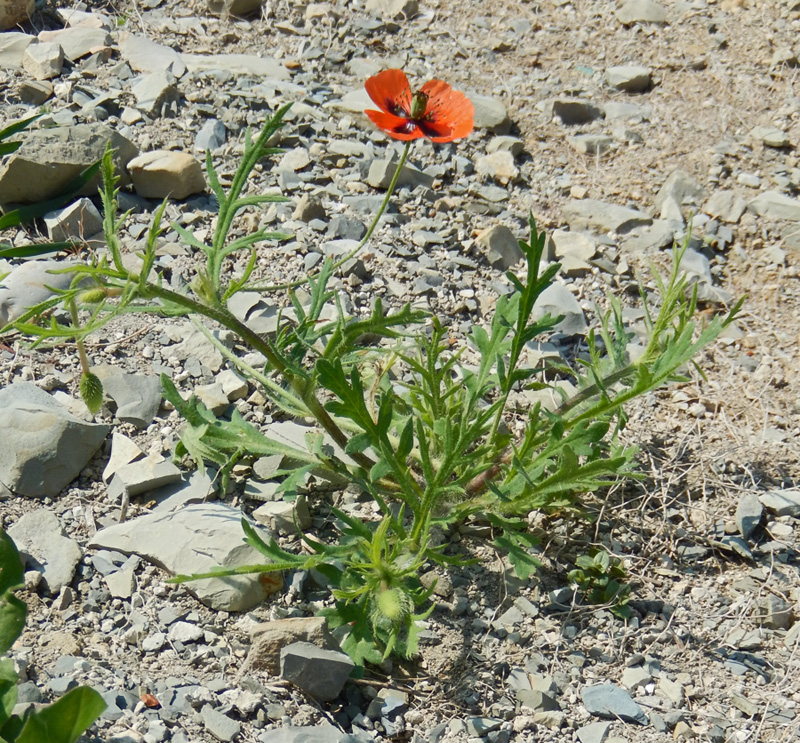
(92, 296)
(91, 389)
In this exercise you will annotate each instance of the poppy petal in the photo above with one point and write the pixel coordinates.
(436, 131)
(450, 107)
(390, 91)
(396, 127)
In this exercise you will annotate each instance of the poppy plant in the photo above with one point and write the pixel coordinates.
(435, 111)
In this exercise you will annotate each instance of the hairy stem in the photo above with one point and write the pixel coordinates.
(299, 385)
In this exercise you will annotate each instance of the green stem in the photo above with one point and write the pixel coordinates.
(84, 359)
(299, 385)
(361, 244)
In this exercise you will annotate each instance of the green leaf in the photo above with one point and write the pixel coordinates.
(29, 251)
(523, 562)
(12, 610)
(64, 721)
(8, 690)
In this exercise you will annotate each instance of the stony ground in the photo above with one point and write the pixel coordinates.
(709, 536)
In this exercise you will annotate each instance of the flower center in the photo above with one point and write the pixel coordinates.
(419, 105)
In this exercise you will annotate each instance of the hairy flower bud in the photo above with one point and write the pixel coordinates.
(391, 606)
(92, 296)
(91, 389)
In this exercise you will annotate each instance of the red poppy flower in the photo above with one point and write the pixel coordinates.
(435, 111)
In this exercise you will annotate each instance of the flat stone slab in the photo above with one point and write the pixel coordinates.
(591, 214)
(39, 536)
(242, 64)
(195, 539)
(607, 700)
(775, 205)
(319, 672)
(43, 447)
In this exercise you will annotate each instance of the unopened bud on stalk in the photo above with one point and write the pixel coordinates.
(91, 389)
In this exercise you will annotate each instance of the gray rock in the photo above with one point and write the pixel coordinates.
(577, 244)
(748, 514)
(12, 47)
(38, 534)
(121, 584)
(143, 475)
(123, 451)
(220, 726)
(185, 632)
(35, 92)
(153, 643)
(725, 205)
(631, 112)
(558, 300)
(591, 144)
(285, 517)
(394, 9)
(775, 613)
(213, 397)
(145, 55)
(590, 214)
(193, 344)
(354, 101)
(594, 732)
(682, 188)
(156, 94)
(320, 673)
(323, 733)
(381, 172)
(295, 159)
(137, 396)
(629, 78)
(607, 700)
(29, 284)
(77, 42)
(211, 136)
(80, 220)
(43, 447)
(573, 110)
(636, 676)
(770, 136)
(672, 690)
(233, 386)
(309, 207)
(498, 165)
(43, 61)
(641, 11)
(660, 234)
(775, 205)
(269, 638)
(696, 265)
(197, 538)
(782, 502)
(238, 64)
(50, 158)
(514, 145)
(490, 114)
(500, 247)
(536, 700)
(198, 486)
